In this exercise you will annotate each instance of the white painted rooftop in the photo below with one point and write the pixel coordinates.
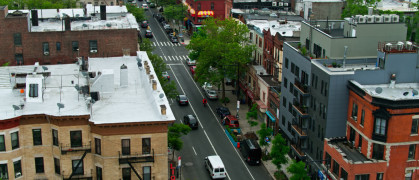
(137, 102)
(393, 5)
(275, 26)
(401, 91)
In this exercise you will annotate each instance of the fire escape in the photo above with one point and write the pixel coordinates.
(74, 148)
(127, 158)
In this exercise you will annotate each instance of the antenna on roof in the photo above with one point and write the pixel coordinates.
(60, 106)
(16, 108)
(44, 68)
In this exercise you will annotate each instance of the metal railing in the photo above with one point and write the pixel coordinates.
(135, 158)
(69, 148)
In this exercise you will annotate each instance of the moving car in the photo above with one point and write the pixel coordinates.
(144, 24)
(222, 111)
(211, 94)
(166, 75)
(182, 99)
(251, 151)
(192, 68)
(190, 62)
(191, 121)
(231, 121)
(145, 6)
(174, 39)
(206, 85)
(148, 34)
(215, 167)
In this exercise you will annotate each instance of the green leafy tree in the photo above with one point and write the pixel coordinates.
(253, 112)
(279, 151)
(298, 171)
(176, 12)
(173, 136)
(169, 87)
(220, 49)
(138, 13)
(263, 133)
(146, 45)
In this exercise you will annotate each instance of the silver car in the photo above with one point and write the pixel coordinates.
(211, 94)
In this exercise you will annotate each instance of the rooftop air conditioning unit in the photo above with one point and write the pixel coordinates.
(409, 45)
(46, 53)
(280, 4)
(285, 4)
(317, 25)
(93, 51)
(394, 18)
(274, 3)
(400, 45)
(370, 19)
(362, 19)
(378, 19)
(388, 46)
(387, 19)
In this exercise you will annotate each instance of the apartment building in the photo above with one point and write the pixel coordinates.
(59, 36)
(101, 118)
(199, 10)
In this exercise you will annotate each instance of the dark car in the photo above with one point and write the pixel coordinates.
(231, 121)
(174, 39)
(144, 24)
(159, 17)
(222, 111)
(148, 34)
(251, 151)
(152, 5)
(167, 28)
(191, 121)
(182, 99)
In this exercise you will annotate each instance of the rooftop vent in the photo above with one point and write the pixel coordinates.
(400, 45)
(414, 92)
(405, 93)
(17, 13)
(378, 90)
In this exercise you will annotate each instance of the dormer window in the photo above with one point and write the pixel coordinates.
(33, 90)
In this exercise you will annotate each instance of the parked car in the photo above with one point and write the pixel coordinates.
(144, 24)
(167, 28)
(231, 121)
(148, 34)
(192, 68)
(166, 75)
(182, 99)
(251, 151)
(159, 17)
(152, 5)
(191, 121)
(190, 62)
(222, 111)
(145, 6)
(206, 85)
(211, 94)
(174, 39)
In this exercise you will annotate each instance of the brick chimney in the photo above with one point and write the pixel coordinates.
(67, 23)
(154, 82)
(4, 10)
(102, 12)
(163, 109)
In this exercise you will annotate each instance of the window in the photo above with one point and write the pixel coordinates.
(378, 151)
(412, 149)
(37, 137)
(126, 174)
(321, 90)
(362, 117)
(343, 174)
(291, 88)
(292, 68)
(76, 138)
(4, 174)
(93, 45)
(289, 127)
(98, 173)
(125, 146)
(290, 107)
(359, 141)
(98, 148)
(380, 176)
(381, 63)
(315, 84)
(147, 173)
(362, 177)
(75, 45)
(286, 62)
(336, 168)
(15, 139)
(77, 170)
(17, 166)
(57, 166)
(19, 59)
(354, 114)
(199, 6)
(212, 6)
(55, 137)
(58, 46)
(45, 48)
(2, 144)
(146, 146)
(33, 90)
(284, 102)
(414, 126)
(17, 38)
(39, 165)
(297, 71)
(283, 120)
(380, 126)
(325, 88)
(285, 82)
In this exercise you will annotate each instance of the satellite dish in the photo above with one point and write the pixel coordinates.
(44, 68)
(414, 92)
(60, 105)
(77, 87)
(139, 64)
(378, 90)
(161, 95)
(405, 93)
(16, 107)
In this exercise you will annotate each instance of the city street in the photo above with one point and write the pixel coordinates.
(209, 138)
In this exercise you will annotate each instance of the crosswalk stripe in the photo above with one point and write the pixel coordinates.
(169, 58)
(184, 57)
(177, 58)
(165, 58)
(154, 43)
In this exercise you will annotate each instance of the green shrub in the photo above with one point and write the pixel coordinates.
(279, 175)
(252, 123)
(225, 100)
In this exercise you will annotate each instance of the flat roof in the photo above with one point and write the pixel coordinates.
(396, 91)
(285, 28)
(347, 151)
(393, 5)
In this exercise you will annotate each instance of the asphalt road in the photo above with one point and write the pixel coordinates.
(210, 138)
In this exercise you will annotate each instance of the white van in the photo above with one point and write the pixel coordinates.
(215, 167)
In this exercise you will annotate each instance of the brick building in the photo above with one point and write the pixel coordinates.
(55, 36)
(199, 10)
(60, 121)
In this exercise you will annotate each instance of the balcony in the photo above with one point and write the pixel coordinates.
(299, 128)
(136, 158)
(298, 151)
(69, 148)
(301, 109)
(302, 87)
(85, 176)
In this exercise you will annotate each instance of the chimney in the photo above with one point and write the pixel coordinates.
(102, 12)
(4, 12)
(84, 10)
(123, 76)
(151, 78)
(392, 80)
(67, 23)
(154, 85)
(147, 69)
(34, 14)
(163, 109)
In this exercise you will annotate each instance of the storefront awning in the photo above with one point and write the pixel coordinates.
(262, 106)
(205, 13)
(270, 116)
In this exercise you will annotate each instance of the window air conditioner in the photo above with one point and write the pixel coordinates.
(93, 51)
(46, 53)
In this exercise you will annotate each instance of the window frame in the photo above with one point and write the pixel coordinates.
(93, 45)
(146, 145)
(362, 117)
(16, 146)
(2, 143)
(98, 146)
(99, 173)
(412, 152)
(80, 168)
(126, 173)
(33, 90)
(39, 165)
(125, 150)
(57, 167)
(212, 5)
(354, 113)
(414, 130)
(4, 171)
(45, 48)
(17, 39)
(75, 46)
(55, 141)
(146, 176)
(58, 46)
(378, 151)
(74, 139)
(37, 137)
(17, 168)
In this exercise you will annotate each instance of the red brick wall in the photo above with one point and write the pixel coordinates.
(110, 43)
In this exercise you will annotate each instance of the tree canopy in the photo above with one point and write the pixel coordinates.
(220, 49)
(176, 12)
(138, 13)
(298, 171)
(175, 132)
(263, 133)
(279, 151)
(39, 4)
